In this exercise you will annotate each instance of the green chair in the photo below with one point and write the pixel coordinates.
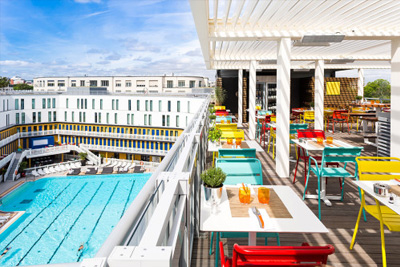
(333, 154)
(237, 153)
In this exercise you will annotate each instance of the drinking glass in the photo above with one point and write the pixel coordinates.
(228, 121)
(229, 141)
(238, 141)
(263, 195)
(329, 140)
(320, 140)
(244, 195)
(372, 102)
(222, 121)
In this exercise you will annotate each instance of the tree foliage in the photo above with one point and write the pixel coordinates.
(377, 89)
(4, 82)
(220, 96)
(23, 86)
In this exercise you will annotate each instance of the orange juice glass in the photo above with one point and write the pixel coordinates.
(372, 102)
(320, 140)
(263, 195)
(228, 121)
(329, 140)
(244, 195)
(229, 141)
(238, 141)
(222, 121)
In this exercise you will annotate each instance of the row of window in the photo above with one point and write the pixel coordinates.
(51, 103)
(36, 117)
(118, 83)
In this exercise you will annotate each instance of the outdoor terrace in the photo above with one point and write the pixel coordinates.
(340, 218)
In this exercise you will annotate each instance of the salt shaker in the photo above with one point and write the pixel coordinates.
(391, 198)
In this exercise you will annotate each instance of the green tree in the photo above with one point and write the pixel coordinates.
(4, 82)
(22, 86)
(377, 89)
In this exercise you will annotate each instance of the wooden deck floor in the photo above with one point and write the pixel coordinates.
(340, 219)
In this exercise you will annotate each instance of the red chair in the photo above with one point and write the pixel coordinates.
(304, 255)
(265, 128)
(337, 117)
(221, 113)
(303, 154)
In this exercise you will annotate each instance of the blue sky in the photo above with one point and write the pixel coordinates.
(98, 37)
(104, 37)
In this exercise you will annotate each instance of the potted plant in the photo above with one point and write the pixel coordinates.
(214, 134)
(220, 96)
(359, 98)
(213, 180)
(22, 168)
(212, 117)
(2, 172)
(82, 157)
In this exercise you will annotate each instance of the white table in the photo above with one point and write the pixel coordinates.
(212, 147)
(303, 221)
(368, 187)
(310, 147)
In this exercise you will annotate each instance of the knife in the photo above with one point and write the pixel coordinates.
(258, 214)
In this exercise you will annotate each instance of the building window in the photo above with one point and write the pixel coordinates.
(93, 103)
(77, 103)
(170, 84)
(159, 105)
(82, 83)
(99, 117)
(132, 119)
(167, 120)
(61, 83)
(115, 118)
(151, 105)
(117, 83)
(43, 102)
(85, 103)
(105, 83)
(54, 116)
(129, 104)
(33, 117)
(140, 83)
(192, 84)
(169, 106)
(145, 119)
(23, 117)
(49, 116)
(16, 118)
(178, 106)
(93, 83)
(146, 106)
(16, 104)
(108, 118)
(48, 102)
(73, 83)
(128, 84)
(33, 103)
(149, 120)
(67, 103)
(54, 103)
(39, 116)
(65, 116)
(138, 105)
(80, 116)
(163, 120)
(50, 83)
(199, 83)
(117, 106)
(113, 104)
(188, 107)
(22, 104)
(84, 116)
(101, 103)
(186, 120)
(127, 119)
(73, 116)
(177, 121)
(181, 83)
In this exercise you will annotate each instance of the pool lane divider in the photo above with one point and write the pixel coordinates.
(127, 199)
(26, 226)
(73, 224)
(48, 227)
(98, 219)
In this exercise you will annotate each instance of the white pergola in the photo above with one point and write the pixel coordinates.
(300, 34)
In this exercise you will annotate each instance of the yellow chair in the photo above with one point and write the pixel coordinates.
(358, 120)
(226, 126)
(378, 169)
(308, 116)
(273, 137)
(232, 134)
(219, 107)
(327, 115)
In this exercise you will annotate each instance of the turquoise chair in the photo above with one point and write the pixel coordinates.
(237, 153)
(264, 112)
(333, 154)
(240, 170)
(218, 119)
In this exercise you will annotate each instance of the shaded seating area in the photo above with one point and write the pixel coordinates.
(75, 171)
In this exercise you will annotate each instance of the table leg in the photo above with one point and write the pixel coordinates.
(252, 238)
(326, 199)
(216, 249)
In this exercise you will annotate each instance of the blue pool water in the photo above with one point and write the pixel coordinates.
(64, 212)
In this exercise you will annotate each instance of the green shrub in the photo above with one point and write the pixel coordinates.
(213, 177)
(214, 134)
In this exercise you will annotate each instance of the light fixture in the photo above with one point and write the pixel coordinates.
(326, 38)
(299, 43)
(340, 61)
(301, 70)
(268, 61)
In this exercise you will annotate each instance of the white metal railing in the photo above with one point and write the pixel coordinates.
(21, 158)
(5, 160)
(168, 228)
(135, 150)
(14, 154)
(9, 139)
(50, 165)
(92, 157)
(51, 150)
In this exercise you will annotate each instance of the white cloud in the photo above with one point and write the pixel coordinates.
(87, 1)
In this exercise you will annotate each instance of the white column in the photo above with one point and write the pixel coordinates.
(240, 97)
(252, 100)
(319, 95)
(283, 108)
(395, 98)
(361, 82)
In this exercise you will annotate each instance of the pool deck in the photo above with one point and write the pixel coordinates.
(340, 219)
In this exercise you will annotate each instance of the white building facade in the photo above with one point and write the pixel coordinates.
(123, 84)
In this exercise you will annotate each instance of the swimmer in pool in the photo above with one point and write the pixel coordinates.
(5, 252)
(80, 249)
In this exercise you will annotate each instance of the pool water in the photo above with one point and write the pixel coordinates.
(64, 212)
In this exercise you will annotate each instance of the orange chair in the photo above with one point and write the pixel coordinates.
(337, 117)
(304, 255)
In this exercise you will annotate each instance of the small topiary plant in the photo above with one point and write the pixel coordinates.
(212, 117)
(214, 134)
(213, 177)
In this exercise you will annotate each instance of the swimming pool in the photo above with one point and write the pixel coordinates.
(62, 213)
